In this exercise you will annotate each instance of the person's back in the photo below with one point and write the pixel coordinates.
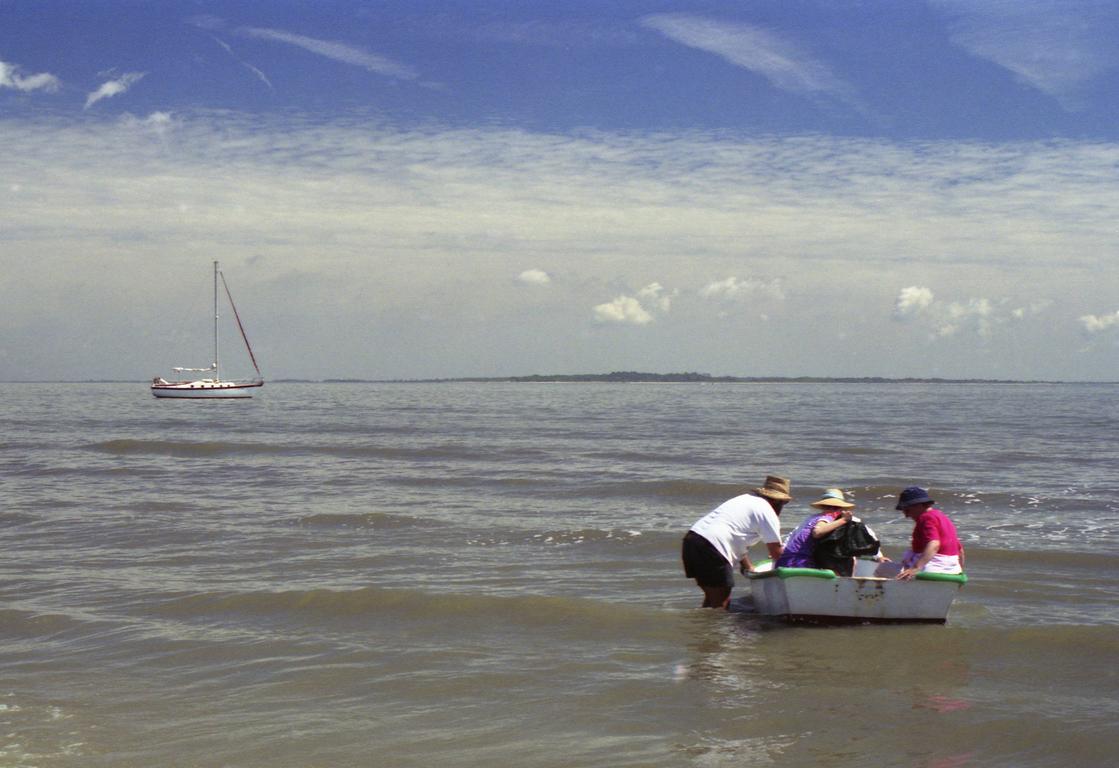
(739, 523)
(932, 525)
(800, 547)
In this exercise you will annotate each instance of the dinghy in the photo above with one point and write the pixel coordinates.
(871, 595)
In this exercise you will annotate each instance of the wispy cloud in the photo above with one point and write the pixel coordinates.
(256, 72)
(336, 51)
(655, 295)
(736, 288)
(780, 61)
(114, 88)
(11, 77)
(1053, 46)
(460, 213)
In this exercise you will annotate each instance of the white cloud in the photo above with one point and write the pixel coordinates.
(657, 296)
(735, 288)
(1098, 323)
(1053, 46)
(10, 77)
(157, 123)
(534, 277)
(340, 52)
(977, 314)
(113, 88)
(912, 300)
(636, 311)
(943, 319)
(1035, 307)
(780, 61)
(623, 309)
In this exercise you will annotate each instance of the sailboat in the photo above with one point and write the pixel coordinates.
(213, 387)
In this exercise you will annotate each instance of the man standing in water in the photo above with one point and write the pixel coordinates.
(719, 541)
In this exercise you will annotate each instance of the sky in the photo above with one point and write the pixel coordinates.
(438, 189)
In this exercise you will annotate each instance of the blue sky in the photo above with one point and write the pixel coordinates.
(439, 189)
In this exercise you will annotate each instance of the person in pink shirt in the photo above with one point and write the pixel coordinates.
(934, 548)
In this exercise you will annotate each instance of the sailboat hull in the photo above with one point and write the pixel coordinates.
(206, 390)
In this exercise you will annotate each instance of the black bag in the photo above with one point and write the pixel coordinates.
(838, 549)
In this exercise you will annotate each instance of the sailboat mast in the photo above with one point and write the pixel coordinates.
(217, 376)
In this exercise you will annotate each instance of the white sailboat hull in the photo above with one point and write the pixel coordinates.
(205, 389)
(810, 595)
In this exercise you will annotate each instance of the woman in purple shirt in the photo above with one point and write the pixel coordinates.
(835, 512)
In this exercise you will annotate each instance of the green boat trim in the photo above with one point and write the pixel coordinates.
(959, 578)
(823, 573)
(815, 573)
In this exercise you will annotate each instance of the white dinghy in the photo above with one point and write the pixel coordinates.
(871, 595)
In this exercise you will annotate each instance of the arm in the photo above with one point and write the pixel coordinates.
(823, 528)
(930, 551)
(775, 549)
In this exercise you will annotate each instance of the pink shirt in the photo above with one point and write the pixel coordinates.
(934, 525)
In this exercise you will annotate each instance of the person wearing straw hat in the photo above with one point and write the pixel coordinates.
(833, 512)
(720, 540)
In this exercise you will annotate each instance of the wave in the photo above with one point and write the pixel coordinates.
(203, 449)
(1088, 642)
(16, 519)
(585, 536)
(321, 607)
(28, 624)
(707, 493)
(366, 520)
(1044, 560)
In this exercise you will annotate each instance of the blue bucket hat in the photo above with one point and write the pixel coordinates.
(913, 495)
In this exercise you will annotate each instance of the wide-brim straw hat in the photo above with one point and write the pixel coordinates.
(833, 497)
(776, 488)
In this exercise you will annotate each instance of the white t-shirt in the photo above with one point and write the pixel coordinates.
(739, 523)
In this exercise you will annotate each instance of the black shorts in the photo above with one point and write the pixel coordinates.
(704, 563)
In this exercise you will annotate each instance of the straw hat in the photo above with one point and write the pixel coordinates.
(833, 497)
(776, 488)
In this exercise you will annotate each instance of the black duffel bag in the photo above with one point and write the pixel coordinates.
(838, 549)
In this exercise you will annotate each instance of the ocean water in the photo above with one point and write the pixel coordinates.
(464, 574)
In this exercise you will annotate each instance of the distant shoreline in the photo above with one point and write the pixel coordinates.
(632, 377)
(623, 377)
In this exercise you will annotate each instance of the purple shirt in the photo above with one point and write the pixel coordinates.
(800, 547)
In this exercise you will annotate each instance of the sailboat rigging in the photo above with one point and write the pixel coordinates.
(213, 387)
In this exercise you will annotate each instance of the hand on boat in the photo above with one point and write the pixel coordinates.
(907, 574)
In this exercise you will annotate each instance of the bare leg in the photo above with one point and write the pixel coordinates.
(715, 597)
